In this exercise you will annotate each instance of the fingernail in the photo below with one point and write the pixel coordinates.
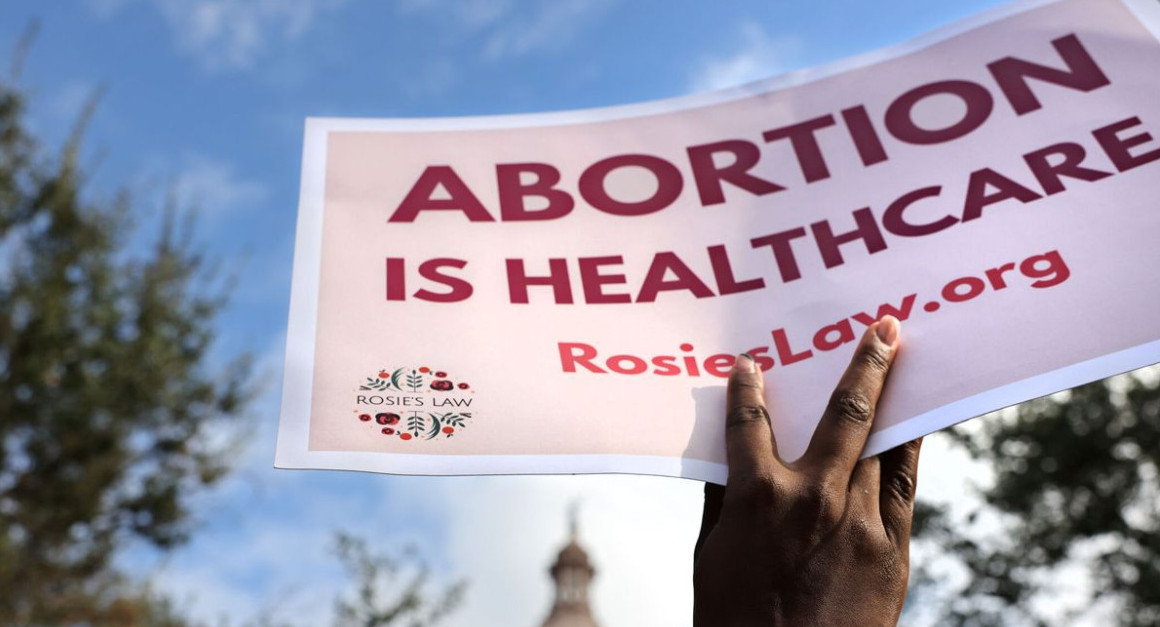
(887, 330)
(745, 363)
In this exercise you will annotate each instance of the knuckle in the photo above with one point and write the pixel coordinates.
(901, 487)
(745, 382)
(869, 541)
(862, 532)
(755, 492)
(874, 359)
(743, 416)
(887, 563)
(821, 503)
(897, 527)
(852, 405)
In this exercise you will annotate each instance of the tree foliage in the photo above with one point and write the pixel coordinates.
(391, 589)
(1075, 498)
(108, 406)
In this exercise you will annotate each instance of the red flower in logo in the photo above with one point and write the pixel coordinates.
(387, 419)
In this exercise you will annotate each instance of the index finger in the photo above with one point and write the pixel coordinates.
(749, 444)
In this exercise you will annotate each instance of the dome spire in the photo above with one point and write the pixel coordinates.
(574, 520)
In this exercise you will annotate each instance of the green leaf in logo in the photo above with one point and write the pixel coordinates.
(435, 426)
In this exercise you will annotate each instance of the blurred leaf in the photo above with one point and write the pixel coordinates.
(110, 414)
(1076, 485)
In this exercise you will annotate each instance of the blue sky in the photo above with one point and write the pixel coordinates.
(210, 95)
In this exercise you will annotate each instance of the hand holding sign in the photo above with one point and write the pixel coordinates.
(822, 541)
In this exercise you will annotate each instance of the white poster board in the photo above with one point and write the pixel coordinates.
(564, 293)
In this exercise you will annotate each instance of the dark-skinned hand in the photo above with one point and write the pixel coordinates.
(820, 541)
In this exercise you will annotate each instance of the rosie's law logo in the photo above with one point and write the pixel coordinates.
(415, 403)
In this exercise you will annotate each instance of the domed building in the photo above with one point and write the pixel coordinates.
(572, 572)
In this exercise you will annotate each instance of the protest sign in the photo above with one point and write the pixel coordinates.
(564, 293)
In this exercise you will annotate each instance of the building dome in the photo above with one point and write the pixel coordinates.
(573, 556)
(572, 572)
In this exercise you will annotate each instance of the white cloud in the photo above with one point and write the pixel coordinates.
(504, 533)
(214, 187)
(437, 78)
(261, 564)
(106, 8)
(550, 26)
(228, 34)
(515, 30)
(473, 14)
(758, 56)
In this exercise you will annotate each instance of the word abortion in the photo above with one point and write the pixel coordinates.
(440, 188)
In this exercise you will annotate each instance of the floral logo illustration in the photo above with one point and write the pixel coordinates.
(415, 403)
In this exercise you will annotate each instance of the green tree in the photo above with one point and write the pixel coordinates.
(390, 589)
(108, 404)
(1075, 492)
